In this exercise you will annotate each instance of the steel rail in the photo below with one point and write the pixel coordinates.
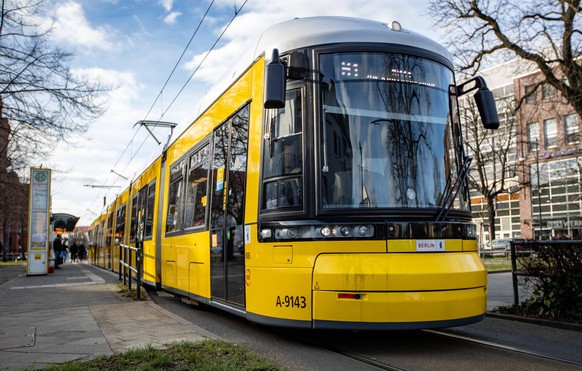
(502, 347)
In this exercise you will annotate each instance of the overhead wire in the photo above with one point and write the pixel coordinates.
(158, 97)
(236, 13)
(180, 59)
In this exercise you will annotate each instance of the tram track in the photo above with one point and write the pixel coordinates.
(504, 347)
(465, 348)
(382, 365)
(329, 348)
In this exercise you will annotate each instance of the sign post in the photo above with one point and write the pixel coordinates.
(38, 222)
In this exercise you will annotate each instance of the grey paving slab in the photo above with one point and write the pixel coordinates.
(77, 313)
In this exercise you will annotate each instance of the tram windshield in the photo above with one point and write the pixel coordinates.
(386, 139)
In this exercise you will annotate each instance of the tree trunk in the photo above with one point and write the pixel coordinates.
(491, 217)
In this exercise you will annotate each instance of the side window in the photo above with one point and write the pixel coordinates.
(175, 197)
(195, 205)
(141, 208)
(109, 231)
(149, 211)
(133, 230)
(282, 155)
(120, 225)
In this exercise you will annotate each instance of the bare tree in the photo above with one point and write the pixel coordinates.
(13, 202)
(40, 95)
(493, 152)
(545, 33)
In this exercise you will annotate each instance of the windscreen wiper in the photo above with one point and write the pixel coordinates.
(451, 192)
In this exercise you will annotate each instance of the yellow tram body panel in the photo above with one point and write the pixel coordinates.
(400, 307)
(293, 282)
(149, 253)
(185, 264)
(398, 272)
(420, 287)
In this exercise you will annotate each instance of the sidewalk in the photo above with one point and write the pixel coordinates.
(77, 313)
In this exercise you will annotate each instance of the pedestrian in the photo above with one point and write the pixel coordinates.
(74, 251)
(57, 248)
(64, 251)
(81, 252)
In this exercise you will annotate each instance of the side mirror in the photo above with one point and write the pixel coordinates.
(484, 100)
(275, 82)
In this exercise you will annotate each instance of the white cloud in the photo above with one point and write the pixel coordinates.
(260, 14)
(171, 17)
(72, 27)
(101, 149)
(166, 4)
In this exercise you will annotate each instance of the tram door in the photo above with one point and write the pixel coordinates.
(229, 166)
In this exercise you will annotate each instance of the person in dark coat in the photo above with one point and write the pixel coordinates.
(57, 248)
(74, 250)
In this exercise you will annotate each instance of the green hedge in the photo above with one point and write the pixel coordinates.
(554, 268)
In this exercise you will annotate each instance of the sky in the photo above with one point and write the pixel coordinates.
(133, 45)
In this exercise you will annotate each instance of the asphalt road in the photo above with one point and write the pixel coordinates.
(407, 350)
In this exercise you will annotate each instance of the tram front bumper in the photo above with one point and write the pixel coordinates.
(404, 290)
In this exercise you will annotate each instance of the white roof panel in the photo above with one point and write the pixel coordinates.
(311, 31)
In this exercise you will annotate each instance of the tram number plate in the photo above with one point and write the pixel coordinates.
(430, 245)
(291, 301)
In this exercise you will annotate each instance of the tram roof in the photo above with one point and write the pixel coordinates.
(311, 31)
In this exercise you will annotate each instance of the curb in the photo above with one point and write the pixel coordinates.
(537, 321)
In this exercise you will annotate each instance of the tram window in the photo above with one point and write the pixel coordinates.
(120, 225)
(282, 193)
(133, 229)
(149, 211)
(284, 144)
(195, 205)
(175, 198)
(283, 159)
(109, 229)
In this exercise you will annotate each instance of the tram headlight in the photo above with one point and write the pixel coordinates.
(325, 231)
(292, 233)
(317, 232)
(286, 233)
(365, 230)
(345, 231)
(266, 234)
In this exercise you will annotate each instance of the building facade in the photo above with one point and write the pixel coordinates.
(542, 194)
(13, 203)
(550, 161)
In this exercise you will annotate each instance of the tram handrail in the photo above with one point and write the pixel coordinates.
(125, 267)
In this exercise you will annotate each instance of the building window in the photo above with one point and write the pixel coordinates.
(551, 132)
(530, 94)
(548, 91)
(533, 136)
(571, 128)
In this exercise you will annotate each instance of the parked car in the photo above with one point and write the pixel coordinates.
(498, 247)
(502, 247)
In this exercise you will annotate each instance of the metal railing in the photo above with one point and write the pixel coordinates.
(532, 247)
(126, 269)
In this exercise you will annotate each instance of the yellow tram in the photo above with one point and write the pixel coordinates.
(325, 187)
